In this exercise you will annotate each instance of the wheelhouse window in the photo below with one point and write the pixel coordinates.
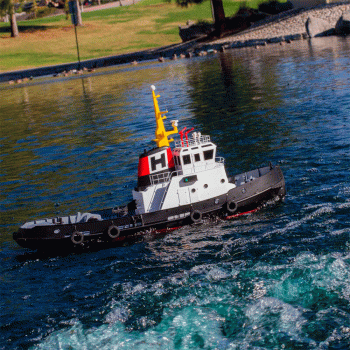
(209, 154)
(186, 159)
(197, 157)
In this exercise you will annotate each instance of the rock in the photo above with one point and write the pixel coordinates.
(316, 27)
(343, 25)
(275, 40)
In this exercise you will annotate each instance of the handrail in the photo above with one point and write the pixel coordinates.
(219, 160)
(166, 177)
(193, 141)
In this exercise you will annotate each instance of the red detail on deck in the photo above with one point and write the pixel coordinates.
(186, 133)
(182, 135)
(240, 214)
(143, 167)
(171, 163)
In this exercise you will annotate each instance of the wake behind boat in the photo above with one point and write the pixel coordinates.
(175, 187)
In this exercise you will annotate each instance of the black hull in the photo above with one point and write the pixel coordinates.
(249, 195)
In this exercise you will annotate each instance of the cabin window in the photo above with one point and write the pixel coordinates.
(186, 159)
(197, 157)
(175, 160)
(208, 154)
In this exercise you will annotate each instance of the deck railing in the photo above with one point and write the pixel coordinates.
(193, 141)
(166, 177)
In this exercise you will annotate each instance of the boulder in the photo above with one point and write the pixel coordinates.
(343, 25)
(316, 27)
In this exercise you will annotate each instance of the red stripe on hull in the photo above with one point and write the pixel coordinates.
(240, 214)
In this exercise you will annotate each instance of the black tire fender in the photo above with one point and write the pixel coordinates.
(77, 237)
(231, 206)
(113, 231)
(196, 216)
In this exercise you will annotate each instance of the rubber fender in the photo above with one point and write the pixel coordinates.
(231, 206)
(77, 237)
(196, 216)
(113, 231)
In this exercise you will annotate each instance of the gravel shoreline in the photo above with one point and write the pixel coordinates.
(285, 27)
(288, 25)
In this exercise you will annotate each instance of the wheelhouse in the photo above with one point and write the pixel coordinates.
(194, 154)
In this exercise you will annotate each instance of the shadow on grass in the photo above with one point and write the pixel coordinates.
(26, 28)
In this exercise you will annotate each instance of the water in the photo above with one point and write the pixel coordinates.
(276, 279)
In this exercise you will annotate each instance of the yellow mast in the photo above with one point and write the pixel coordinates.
(162, 135)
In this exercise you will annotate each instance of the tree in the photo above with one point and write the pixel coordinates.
(217, 11)
(75, 12)
(78, 14)
(34, 8)
(219, 16)
(7, 7)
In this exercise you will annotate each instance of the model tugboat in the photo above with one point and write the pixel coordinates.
(175, 187)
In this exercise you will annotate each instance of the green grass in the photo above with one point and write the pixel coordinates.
(147, 24)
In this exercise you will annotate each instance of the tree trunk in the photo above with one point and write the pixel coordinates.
(14, 27)
(219, 17)
(79, 20)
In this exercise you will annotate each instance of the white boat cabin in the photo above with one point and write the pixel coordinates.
(198, 176)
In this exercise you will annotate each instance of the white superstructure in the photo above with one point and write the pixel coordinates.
(198, 176)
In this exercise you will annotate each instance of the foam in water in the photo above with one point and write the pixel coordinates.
(218, 306)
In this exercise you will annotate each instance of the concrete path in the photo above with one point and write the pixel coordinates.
(110, 5)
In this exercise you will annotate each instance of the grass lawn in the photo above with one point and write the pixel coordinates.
(148, 24)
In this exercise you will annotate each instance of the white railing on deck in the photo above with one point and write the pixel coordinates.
(160, 178)
(165, 177)
(219, 160)
(193, 141)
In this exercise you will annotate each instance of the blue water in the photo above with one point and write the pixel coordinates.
(275, 279)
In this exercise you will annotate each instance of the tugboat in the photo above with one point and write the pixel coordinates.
(175, 187)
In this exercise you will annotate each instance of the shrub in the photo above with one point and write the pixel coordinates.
(275, 7)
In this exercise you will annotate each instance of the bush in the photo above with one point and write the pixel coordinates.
(244, 18)
(275, 7)
(47, 11)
